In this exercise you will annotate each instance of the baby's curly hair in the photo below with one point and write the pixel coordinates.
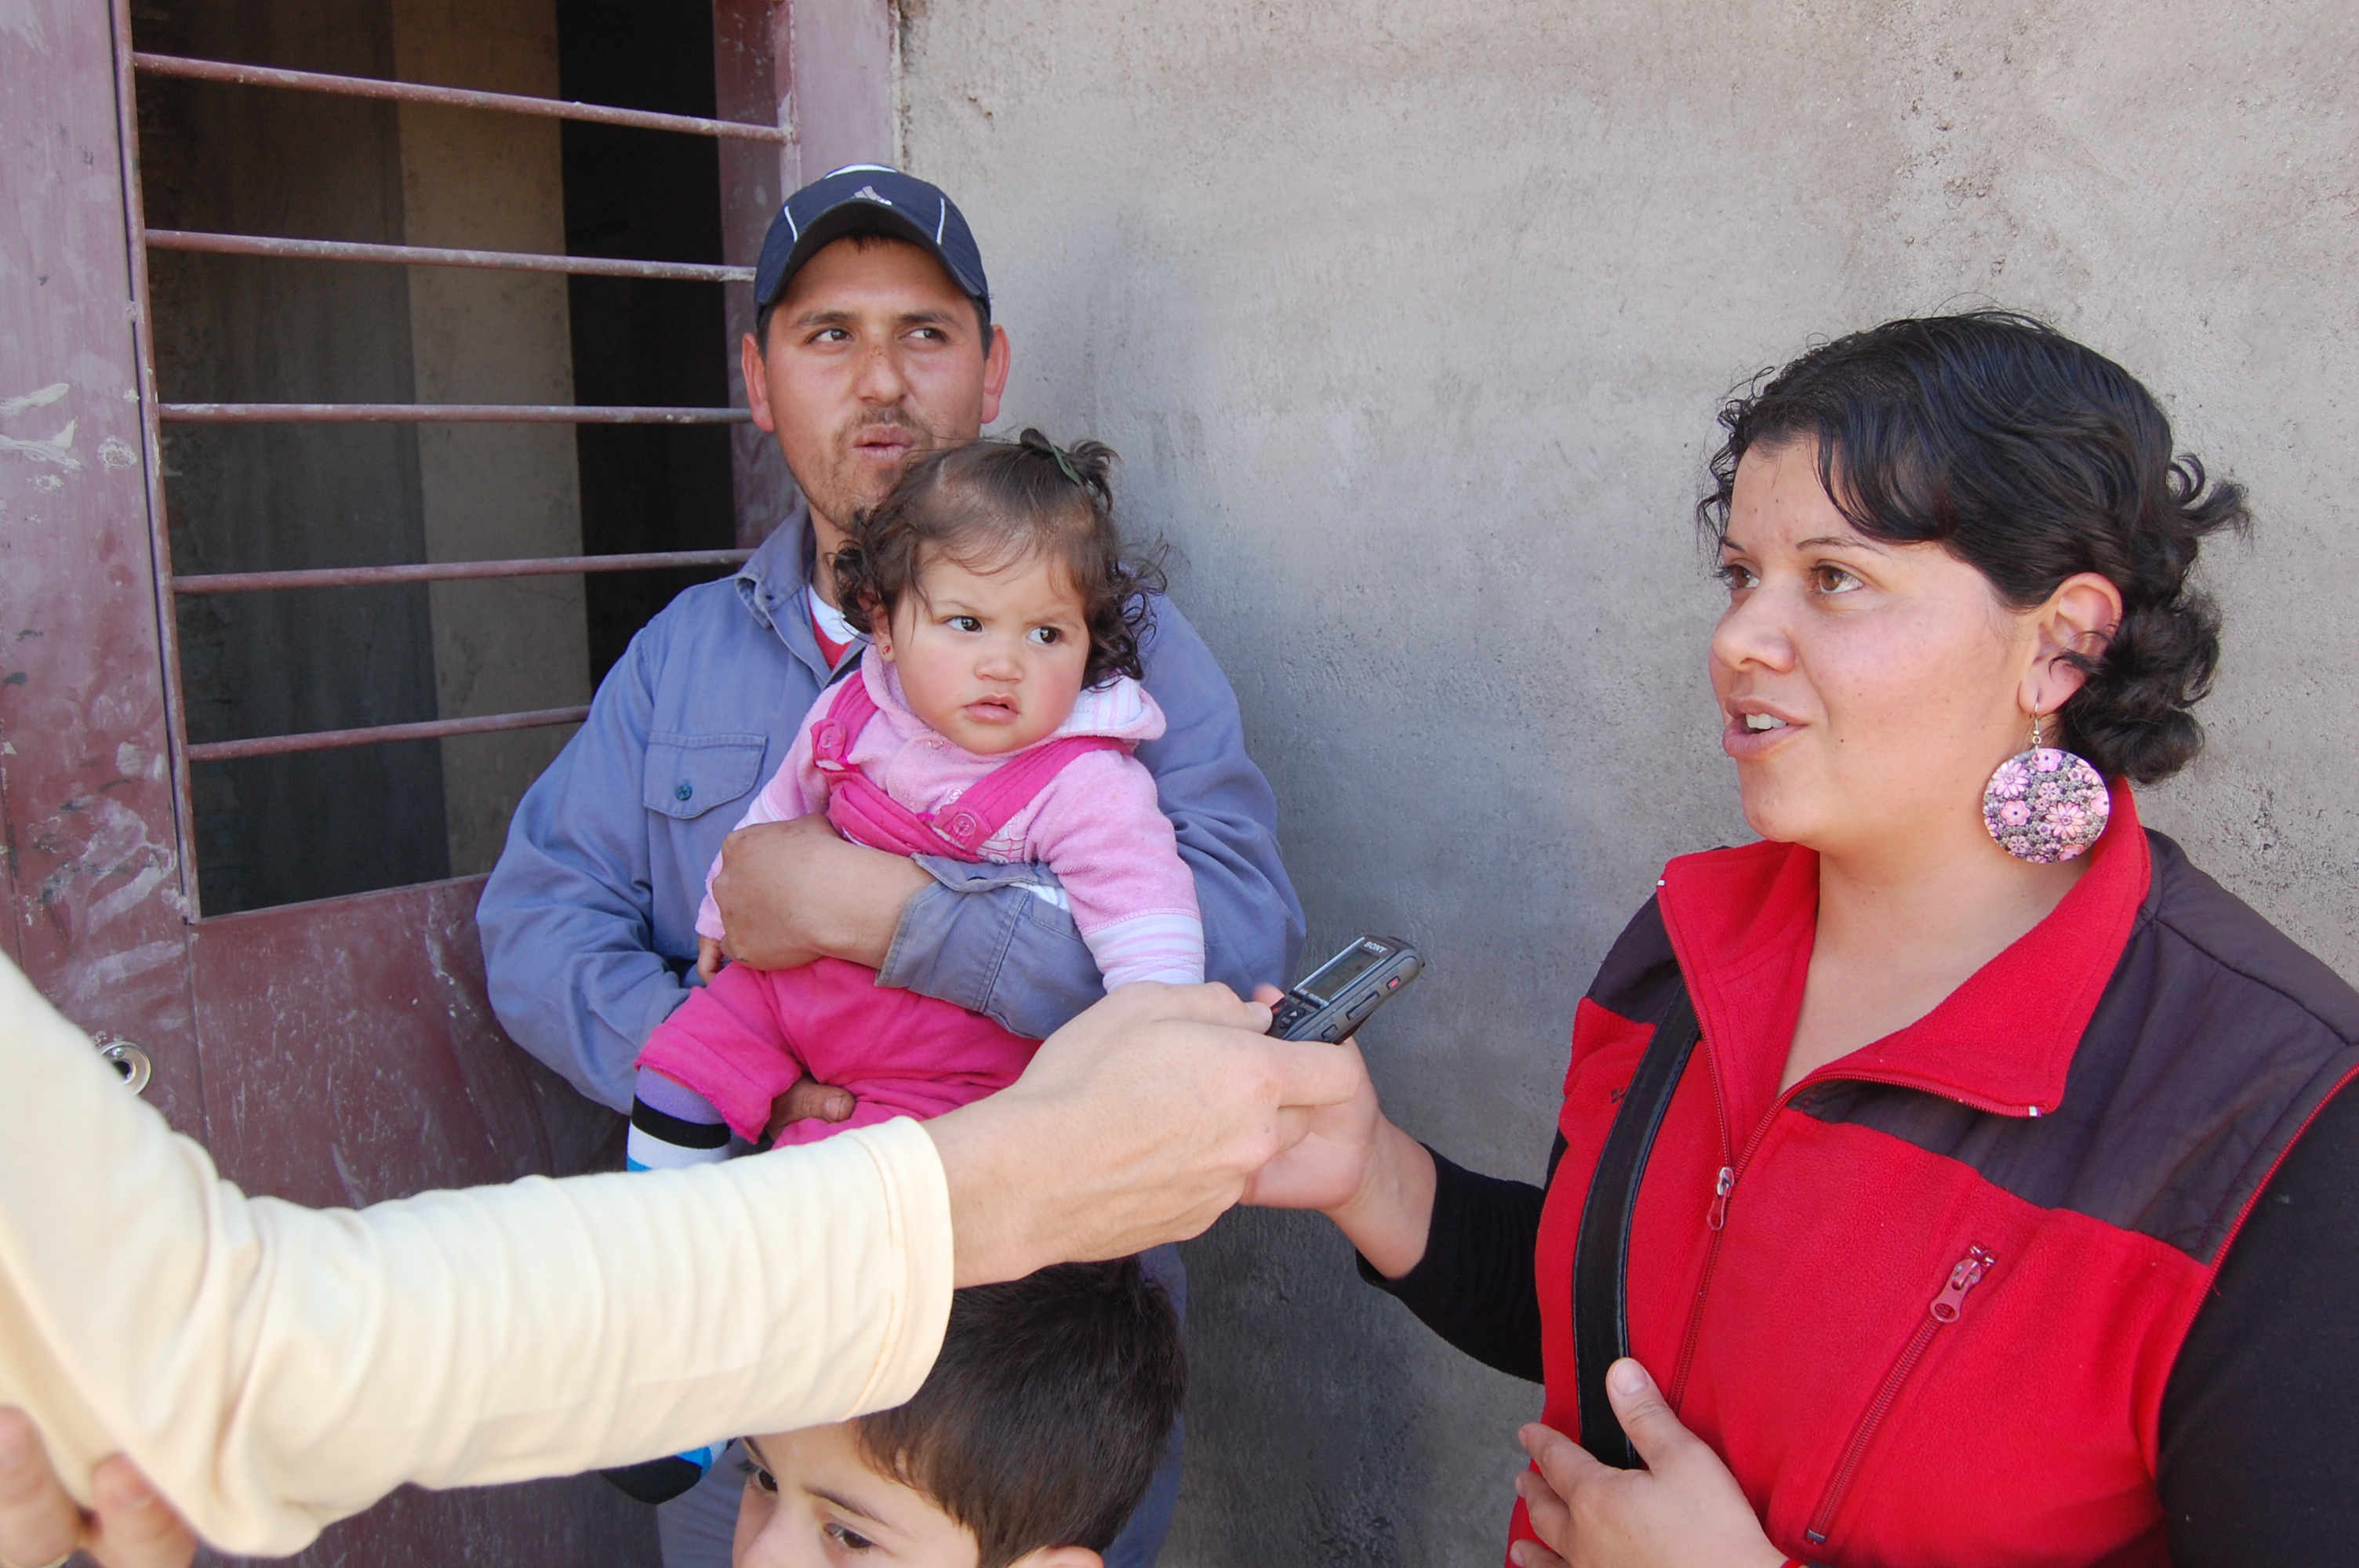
(987, 504)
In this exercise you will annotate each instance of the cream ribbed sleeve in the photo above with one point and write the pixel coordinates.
(274, 1369)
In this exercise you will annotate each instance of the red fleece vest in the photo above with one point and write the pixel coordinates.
(1923, 1316)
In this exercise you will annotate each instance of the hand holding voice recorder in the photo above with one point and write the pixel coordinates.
(1343, 992)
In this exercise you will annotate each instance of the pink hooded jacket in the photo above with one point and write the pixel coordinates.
(1097, 825)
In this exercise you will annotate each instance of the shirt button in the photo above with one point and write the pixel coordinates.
(684, 790)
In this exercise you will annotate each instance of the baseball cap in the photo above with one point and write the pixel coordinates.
(868, 199)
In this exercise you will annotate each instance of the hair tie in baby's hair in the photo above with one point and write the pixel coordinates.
(1034, 440)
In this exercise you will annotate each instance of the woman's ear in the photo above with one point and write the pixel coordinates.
(2080, 617)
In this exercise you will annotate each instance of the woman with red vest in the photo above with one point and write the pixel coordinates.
(2005, 1210)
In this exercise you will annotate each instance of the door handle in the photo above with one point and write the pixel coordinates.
(131, 1060)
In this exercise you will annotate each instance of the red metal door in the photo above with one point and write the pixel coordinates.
(331, 1052)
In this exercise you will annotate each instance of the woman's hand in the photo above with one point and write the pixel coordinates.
(1141, 1122)
(1355, 1167)
(1327, 1168)
(39, 1525)
(1684, 1510)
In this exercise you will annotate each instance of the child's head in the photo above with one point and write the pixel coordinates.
(1030, 1443)
(993, 578)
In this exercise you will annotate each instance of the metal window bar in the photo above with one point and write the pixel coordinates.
(369, 413)
(452, 571)
(440, 413)
(453, 97)
(437, 256)
(430, 730)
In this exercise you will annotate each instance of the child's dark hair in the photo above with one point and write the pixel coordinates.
(2030, 457)
(987, 505)
(1046, 1411)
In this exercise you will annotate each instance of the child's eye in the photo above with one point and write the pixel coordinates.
(847, 1540)
(1737, 577)
(965, 623)
(758, 1475)
(1046, 635)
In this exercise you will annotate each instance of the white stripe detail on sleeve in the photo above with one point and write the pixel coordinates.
(1166, 948)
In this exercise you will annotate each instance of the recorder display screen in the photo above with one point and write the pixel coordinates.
(1342, 971)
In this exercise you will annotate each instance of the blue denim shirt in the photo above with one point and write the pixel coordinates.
(589, 921)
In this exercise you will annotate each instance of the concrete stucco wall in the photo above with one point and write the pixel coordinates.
(1410, 320)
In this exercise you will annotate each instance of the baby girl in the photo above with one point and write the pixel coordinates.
(992, 719)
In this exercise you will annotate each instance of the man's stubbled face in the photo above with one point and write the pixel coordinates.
(874, 354)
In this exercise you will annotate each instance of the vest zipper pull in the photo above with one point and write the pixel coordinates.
(1964, 1278)
(1726, 1185)
(1969, 1272)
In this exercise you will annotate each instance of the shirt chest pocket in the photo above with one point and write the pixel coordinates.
(688, 776)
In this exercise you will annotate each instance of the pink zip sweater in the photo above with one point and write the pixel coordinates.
(1097, 824)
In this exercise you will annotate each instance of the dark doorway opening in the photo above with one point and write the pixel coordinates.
(283, 830)
(655, 197)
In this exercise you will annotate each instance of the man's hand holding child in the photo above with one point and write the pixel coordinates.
(793, 891)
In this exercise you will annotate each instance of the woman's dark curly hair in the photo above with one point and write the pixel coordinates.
(988, 504)
(2030, 457)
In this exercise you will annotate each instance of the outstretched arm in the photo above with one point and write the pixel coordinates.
(1455, 1248)
(271, 1367)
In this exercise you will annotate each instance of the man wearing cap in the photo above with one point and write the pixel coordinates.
(873, 341)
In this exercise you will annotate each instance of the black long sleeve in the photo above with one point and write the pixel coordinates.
(1475, 1285)
(2260, 1420)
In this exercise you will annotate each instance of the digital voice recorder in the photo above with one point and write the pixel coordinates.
(1343, 992)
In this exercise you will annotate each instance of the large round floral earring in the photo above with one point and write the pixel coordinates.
(2046, 805)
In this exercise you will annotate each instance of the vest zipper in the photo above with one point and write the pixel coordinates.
(1732, 1171)
(1969, 1273)
(1716, 1220)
